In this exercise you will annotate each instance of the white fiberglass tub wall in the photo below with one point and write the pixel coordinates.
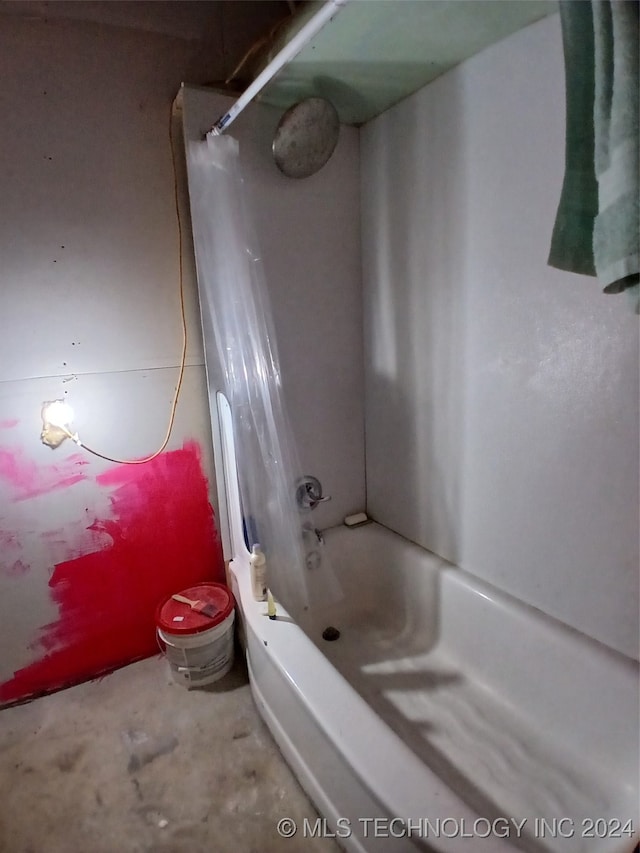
(501, 394)
(442, 699)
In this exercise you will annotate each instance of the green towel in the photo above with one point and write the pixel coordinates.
(597, 228)
(572, 240)
(616, 232)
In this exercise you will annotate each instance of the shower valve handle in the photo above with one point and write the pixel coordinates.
(309, 493)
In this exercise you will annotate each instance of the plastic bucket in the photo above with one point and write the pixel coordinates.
(199, 648)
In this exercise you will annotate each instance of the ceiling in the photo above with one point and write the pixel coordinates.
(370, 56)
(376, 52)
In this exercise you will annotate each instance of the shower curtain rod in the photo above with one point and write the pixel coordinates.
(288, 52)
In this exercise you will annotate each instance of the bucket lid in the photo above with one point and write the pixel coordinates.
(174, 617)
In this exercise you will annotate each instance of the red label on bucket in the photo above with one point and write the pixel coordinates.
(175, 617)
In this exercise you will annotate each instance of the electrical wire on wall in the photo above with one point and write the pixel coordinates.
(56, 430)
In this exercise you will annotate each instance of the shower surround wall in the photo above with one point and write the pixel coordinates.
(501, 395)
(89, 311)
(309, 242)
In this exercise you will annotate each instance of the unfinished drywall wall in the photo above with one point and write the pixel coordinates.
(90, 312)
(501, 395)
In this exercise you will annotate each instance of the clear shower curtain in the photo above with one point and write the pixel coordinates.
(237, 315)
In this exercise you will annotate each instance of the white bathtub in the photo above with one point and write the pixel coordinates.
(446, 710)
(445, 700)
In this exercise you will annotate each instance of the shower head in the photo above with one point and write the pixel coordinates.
(306, 137)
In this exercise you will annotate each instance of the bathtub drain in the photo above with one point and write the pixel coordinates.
(330, 633)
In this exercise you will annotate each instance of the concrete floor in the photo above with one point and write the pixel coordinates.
(134, 763)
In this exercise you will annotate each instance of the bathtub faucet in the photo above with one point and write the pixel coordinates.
(311, 532)
(309, 493)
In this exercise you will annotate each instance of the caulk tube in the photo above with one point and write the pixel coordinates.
(271, 605)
